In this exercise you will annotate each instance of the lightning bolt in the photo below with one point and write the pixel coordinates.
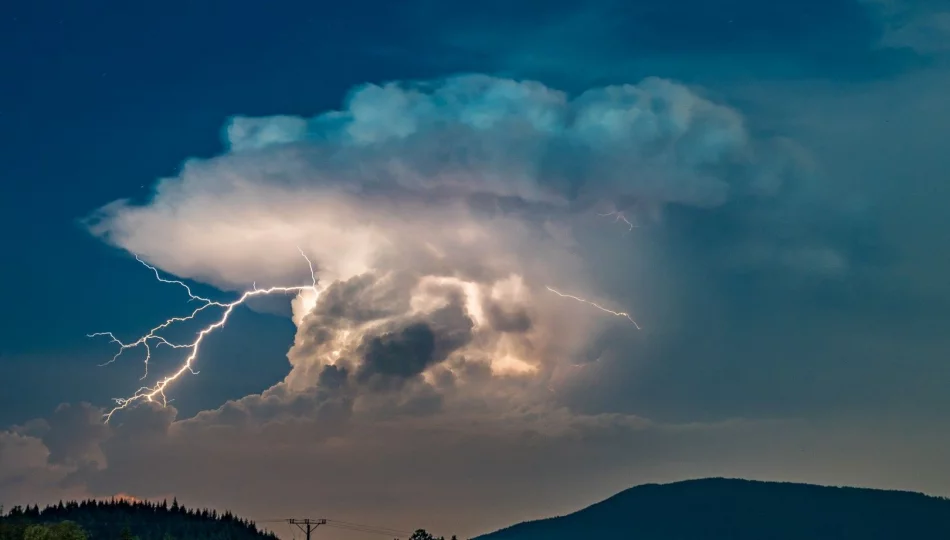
(157, 392)
(620, 217)
(596, 305)
(151, 335)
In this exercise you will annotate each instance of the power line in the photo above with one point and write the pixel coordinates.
(307, 525)
(389, 534)
(363, 529)
(388, 530)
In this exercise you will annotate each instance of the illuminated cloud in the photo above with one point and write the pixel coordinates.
(471, 161)
(438, 215)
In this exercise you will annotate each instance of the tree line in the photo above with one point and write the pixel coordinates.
(122, 519)
(422, 534)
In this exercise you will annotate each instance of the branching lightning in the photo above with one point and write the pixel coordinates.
(153, 338)
(151, 335)
(598, 306)
(157, 392)
(620, 216)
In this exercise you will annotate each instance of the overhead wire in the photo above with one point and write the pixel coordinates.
(377, 527)
(369, 529)
(350, 526)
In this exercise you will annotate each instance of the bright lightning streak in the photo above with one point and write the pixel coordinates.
(151, 335)
(598, 306)
(151, 393)
(310, 264)
(620, 217)
(176, 282)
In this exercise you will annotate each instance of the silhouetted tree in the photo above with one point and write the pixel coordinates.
(125, 520)
(65, 530)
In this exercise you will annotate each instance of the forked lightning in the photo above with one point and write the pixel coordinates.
(620, 216)
(157, 392)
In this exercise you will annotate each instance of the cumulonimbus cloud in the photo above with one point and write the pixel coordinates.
(437, 214)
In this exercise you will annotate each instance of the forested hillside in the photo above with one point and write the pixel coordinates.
(125, 520)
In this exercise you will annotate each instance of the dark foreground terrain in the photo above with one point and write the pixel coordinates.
(714, 509)
(124, 520)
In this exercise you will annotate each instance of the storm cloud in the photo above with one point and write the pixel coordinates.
(773, 227)
(439, 215)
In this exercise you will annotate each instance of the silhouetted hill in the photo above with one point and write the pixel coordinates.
(717, 508)
(118, 519)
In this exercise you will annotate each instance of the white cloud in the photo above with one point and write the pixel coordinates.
(403, 163)
(437, 214)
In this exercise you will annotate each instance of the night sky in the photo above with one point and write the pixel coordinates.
(441, 164)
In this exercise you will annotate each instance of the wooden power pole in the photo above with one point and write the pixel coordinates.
(307, 525)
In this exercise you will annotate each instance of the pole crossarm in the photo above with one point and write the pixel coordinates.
(307, 525)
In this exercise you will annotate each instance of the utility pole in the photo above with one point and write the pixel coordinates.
(307, 525)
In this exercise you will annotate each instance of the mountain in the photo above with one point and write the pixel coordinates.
(718, 508)
(126, 520)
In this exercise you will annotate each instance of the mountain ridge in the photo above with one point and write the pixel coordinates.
(706, 508)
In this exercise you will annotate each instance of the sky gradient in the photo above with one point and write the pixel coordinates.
(784, 163)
